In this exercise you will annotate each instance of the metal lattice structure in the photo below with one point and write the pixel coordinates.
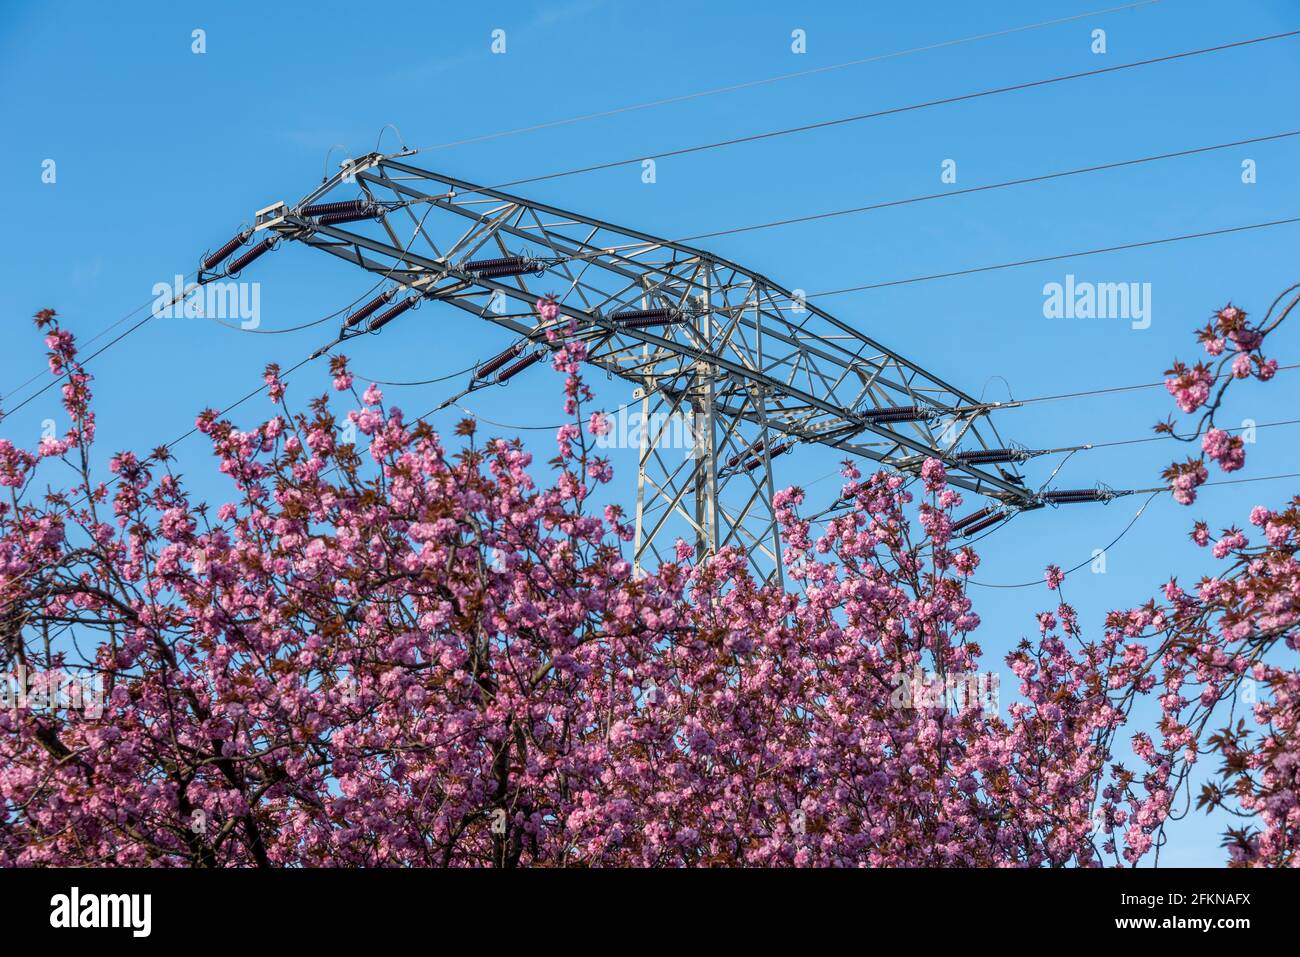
(749, 367)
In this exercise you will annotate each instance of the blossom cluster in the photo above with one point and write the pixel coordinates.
(412, 655)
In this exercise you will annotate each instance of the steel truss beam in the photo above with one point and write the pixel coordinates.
(744, 372)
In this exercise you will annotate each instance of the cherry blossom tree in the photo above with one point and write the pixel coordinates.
(1222, 652)
(421, 655)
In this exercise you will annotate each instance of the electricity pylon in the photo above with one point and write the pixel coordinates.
(731, 370)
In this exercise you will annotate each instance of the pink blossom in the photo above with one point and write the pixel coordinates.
(933, 474)
(548, 309)
(1228, 451)
(1190, 387)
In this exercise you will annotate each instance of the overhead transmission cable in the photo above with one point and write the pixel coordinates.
(209, 262)
(675, 99)
(864, 116)
(947, 100)
(987, 187)
(1088, 561)
(1204, 234)
(1132, 522)
(764, 81)
(842, 120)
(1110, 390)
(820, 519)
(1008, 404)
(821, 294)
(186, 290)
(892, 111)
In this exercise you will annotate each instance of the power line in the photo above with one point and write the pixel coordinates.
(441, 378)
(670, 100)
(298, 328)
(820, 519)
(985, 188)
(1129, 526)
(103, 332)
(1243, 481)
(186, 290)
(1012, 403)
(859, 117)
(1121, 388)
(826, 215)
(59, 378)
(1092, 446)
(1115, 541)
(1167, 437)
(749, 84)
(819, 295)
(539, 428)
(822, 294)
(1047, 259)
(240, 401)
(284, 375)
(968, 96)
(828, 123)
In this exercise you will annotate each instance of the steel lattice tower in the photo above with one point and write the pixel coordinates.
(750, 368)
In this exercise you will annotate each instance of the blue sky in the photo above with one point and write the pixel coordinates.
(161, 153)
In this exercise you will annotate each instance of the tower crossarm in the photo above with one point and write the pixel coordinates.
(668, 317)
